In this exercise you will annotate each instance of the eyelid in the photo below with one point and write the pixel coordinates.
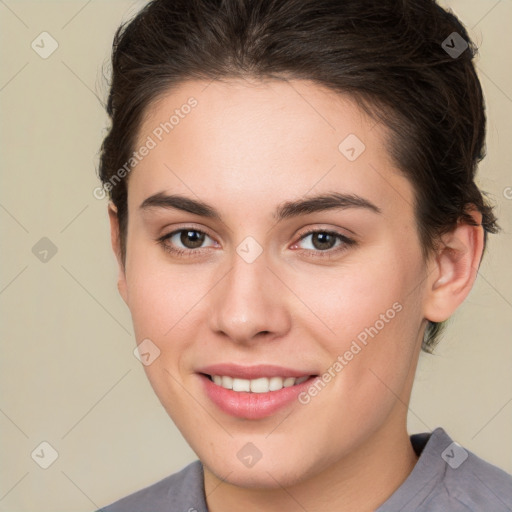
(167, 236)
(346, 241)
(324, 229)
(189, 226)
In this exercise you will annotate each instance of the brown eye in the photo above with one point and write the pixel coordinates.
(185, 242)
(322, 240)
(325, 242)
(192, 239)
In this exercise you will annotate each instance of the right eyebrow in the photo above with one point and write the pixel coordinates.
(179, 202)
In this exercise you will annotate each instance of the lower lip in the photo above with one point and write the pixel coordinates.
(252, 406)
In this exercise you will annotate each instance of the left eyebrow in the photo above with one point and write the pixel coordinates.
(332, 201)
(288, 209)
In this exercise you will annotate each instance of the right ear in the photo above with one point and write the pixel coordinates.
(115, 240)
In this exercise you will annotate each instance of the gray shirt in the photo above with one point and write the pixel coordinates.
(446, 478)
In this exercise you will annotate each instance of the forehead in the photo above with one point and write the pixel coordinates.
(250, 113)
(268, 141)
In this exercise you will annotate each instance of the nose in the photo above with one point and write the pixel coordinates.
(250, 303)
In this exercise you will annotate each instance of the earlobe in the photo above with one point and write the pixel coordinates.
(116, 247)
(454, 269)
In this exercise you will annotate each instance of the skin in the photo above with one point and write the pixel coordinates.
(245, 149)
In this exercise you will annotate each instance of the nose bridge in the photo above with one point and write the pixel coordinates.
(247, 301)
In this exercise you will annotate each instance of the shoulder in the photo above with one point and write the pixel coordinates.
(450, 477)
(181, 491)
(475, 483)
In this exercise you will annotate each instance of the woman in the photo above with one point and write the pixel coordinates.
(294, 213)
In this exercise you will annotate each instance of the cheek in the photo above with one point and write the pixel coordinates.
(374, 310)
(353, 296)
(160, 298)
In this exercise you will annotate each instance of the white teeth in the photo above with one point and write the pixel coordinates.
(300, 380)
(227, 382)
(290, 381)
(240, 384)
(275, 383)
(260, 385)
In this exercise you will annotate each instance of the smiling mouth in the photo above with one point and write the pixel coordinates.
(259, 385)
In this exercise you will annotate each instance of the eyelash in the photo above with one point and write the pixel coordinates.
(328, 253)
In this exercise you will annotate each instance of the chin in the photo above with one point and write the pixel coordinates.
(260, 476)
(270, 472)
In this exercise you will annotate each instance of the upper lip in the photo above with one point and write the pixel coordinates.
(252, 372)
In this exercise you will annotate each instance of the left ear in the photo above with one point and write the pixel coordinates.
(454, 268)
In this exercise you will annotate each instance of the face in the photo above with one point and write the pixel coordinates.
(264, 280)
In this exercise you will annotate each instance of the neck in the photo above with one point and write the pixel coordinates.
(360, 482)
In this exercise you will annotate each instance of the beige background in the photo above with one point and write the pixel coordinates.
(68, 375)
